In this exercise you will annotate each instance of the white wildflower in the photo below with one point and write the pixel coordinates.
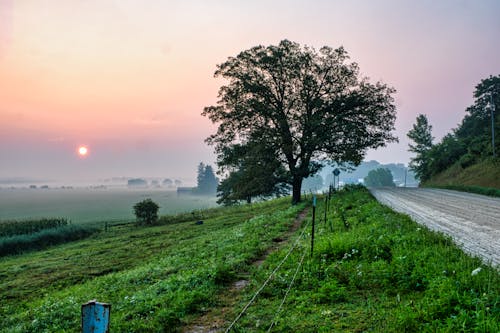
(477, 270)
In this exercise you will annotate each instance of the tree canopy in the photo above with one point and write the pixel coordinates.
(206, 180)
(470, 142)
(421, 135)
(379, 177)
(306, 106)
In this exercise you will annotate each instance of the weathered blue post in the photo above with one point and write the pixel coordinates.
(95, 317)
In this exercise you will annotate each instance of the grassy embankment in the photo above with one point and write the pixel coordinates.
(482, 178)
(372, 269)
(154, 277)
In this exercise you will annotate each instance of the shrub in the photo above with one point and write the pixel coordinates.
(14, 227)
(146, 211)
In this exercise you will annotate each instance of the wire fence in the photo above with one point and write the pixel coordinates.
(271, 276)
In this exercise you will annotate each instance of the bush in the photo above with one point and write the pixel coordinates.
(146, 211)
(42, 239)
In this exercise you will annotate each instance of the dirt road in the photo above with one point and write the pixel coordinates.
(473, 221)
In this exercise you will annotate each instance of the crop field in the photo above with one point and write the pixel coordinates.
(91, 205)
(250, 268)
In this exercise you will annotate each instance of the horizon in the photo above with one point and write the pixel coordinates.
(132, 84)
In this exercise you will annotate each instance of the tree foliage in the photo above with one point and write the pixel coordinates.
(206, 180)
(465, 145)
(255, 172)
(306, 106)
(421, 135)
(379, 177)
(146, 211)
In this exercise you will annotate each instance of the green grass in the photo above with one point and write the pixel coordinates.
(372, 270)
(484, 174)
(13, 227)
(153, 276)
(44, 238)
(492, 192)
(380, 272)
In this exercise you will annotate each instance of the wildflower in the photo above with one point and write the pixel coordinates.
(477, 270)
(326, 312)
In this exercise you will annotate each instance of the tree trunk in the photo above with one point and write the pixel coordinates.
(249, 199)
(296, 188)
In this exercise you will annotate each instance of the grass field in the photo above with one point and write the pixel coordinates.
(91, 205)
(372, 270)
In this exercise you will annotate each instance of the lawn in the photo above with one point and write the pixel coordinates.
(153, 276)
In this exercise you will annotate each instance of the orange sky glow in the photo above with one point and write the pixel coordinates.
(130, 78)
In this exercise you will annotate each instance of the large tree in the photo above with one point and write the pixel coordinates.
(421, 135)
(311, 106)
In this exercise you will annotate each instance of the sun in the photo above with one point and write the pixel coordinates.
(83, 151)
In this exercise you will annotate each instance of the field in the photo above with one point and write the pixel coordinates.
(91, 205)
(372, 270)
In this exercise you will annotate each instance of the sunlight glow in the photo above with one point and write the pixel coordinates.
(83, 151)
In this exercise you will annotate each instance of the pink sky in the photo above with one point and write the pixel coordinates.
(130, 78)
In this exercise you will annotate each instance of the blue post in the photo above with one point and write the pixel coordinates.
(95, 317)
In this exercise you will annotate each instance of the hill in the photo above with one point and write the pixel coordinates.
(485, 173)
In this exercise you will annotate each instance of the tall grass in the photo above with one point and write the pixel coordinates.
(14, 227)
(39, 240)
(492, 192)
(376, 270)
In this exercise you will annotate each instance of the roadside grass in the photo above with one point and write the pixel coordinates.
(154, 277)
(492, 192)
(373, 270)
(483, 174)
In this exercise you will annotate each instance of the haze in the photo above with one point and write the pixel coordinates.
(129, 79)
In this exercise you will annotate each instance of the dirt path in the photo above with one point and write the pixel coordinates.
(473, 221)
(213, 320)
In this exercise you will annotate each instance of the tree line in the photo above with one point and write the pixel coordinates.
(467, 144)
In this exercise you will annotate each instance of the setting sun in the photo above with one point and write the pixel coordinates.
(83, 151)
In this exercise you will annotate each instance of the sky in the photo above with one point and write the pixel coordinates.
(129, 78)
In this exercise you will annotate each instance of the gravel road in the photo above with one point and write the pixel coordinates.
(473, 221)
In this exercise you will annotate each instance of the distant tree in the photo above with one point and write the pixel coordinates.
(312, 183)
(379, 177)
(177, 182)
(310, 106)
(421, 135)
(206, 179)
(146, 211)
(167, 182)
(137, 182)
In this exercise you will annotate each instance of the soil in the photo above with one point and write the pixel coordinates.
(214, 319)
(472, 220)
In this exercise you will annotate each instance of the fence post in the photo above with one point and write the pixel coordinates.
(95, 317)
(313, 218)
